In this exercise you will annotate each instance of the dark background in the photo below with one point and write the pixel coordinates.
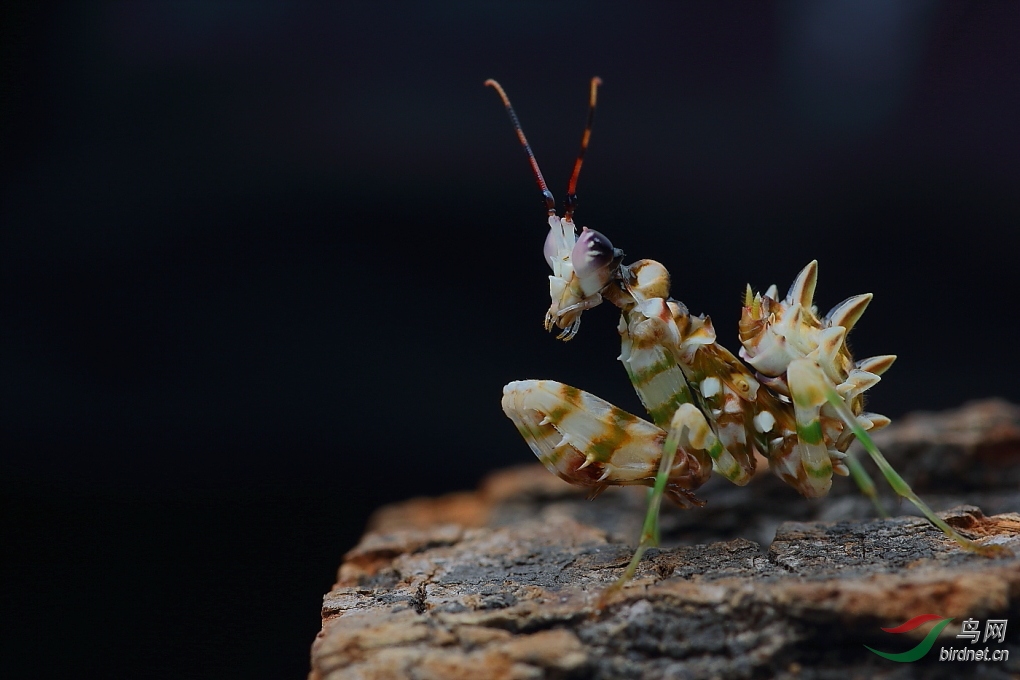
(267, 266)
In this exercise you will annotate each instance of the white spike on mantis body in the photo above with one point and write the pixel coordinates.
(797, 401)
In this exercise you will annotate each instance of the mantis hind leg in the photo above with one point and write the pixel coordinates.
(864, 483)
(690, 431)
(815, 389)
(807, 385)
(650, 528)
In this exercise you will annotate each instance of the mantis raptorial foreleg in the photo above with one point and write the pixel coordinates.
(589, 442)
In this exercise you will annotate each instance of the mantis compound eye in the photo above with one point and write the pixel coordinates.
(592, 252)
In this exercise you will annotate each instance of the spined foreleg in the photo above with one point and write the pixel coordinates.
(589, 442)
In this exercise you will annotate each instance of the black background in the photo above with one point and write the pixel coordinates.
(267, 266)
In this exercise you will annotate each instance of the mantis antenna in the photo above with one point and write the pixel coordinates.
(571, 203)
(550, 202)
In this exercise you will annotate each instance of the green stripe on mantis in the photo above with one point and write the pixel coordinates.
(604, 447)
(648, 373)
(732, 471)
(810, 433)
(557, 415)
(822, 472)
(571, 395)
(662, 414)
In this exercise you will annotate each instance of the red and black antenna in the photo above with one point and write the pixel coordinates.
(571, 202)
(550, 202)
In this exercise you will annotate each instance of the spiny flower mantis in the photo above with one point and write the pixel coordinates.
(797, 400)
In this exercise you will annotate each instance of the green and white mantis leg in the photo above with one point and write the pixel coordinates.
(589, 442)
(864, 482)
(690, 432)
(875, 366)
(812, 466)
(810, 389)
(807, 385)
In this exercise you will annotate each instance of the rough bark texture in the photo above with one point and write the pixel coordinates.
(503, 582)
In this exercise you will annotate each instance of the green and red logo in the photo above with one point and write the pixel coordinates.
(923, 646)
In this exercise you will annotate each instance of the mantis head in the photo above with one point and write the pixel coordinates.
(582, 265)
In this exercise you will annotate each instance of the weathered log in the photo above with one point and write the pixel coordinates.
(504, 582)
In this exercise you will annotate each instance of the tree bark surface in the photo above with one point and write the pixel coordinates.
(504, 582)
